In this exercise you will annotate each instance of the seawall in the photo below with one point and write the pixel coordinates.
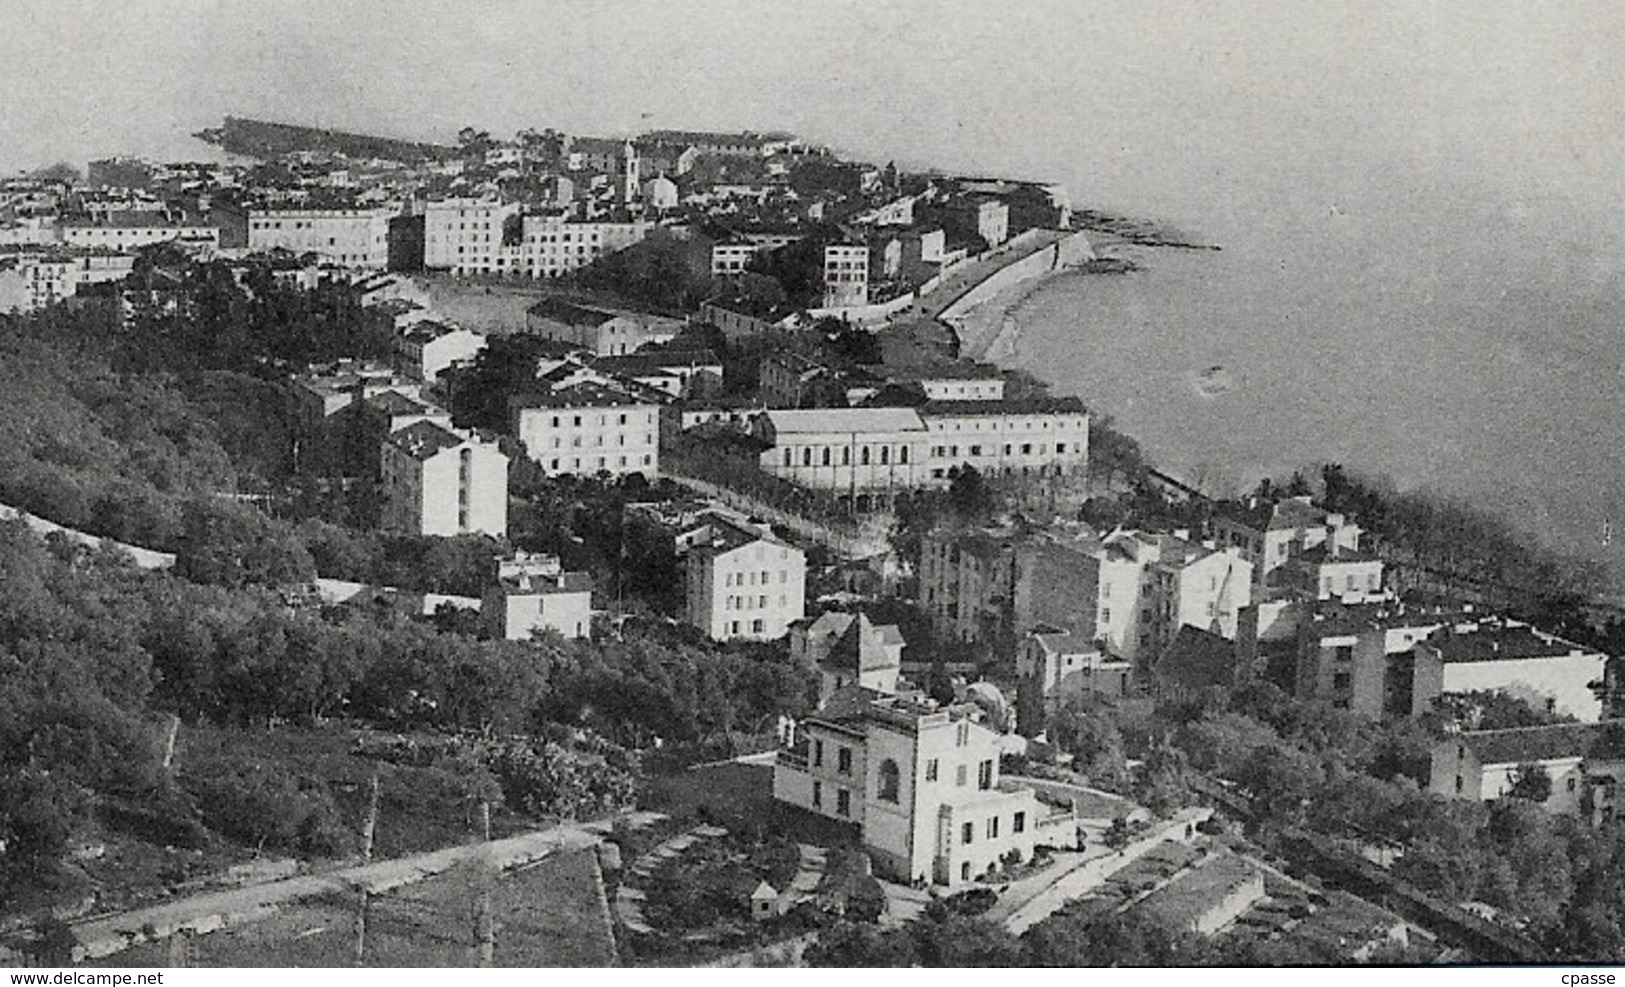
(1069, 251)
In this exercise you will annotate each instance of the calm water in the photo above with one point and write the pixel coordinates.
(1504, 398)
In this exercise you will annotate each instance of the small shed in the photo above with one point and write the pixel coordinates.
(764, 902)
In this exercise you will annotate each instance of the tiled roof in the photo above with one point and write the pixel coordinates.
(1547, 743)
(424, 440)
(1494, 639)
(859, 420)
(860, 648)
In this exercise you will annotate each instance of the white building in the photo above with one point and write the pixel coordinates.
(846, 275)
(846, 449)
(122, 230)
(437, 481)
(589, 428)
(921, 783)
(472, 236)
(743, 582)
(533, 593)
(30, 280)
(603, 332)
(1268, 535)
(427, 348)
(848, 649)
(1048, 437)
(354, 237)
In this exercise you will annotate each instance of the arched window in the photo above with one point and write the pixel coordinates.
(863, 456)
(885, 455)
(888, 781)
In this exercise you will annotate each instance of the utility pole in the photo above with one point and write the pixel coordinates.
(367, 830)
(484, 924)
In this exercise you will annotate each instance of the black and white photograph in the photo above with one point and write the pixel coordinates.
(732, 484)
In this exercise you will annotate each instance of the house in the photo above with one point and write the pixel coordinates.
(1269, 534)
(589, 427)
(427, 348)
(1503, 655)
(438, 481)
(787, 379)
(920, 782)
(680, 373)
(1585, 763)
(743, 582)
(848, 649)
(604, 332)
(533, 593)
(988, 217)
(1054, 666)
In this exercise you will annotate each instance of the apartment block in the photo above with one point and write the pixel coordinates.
(438, 481)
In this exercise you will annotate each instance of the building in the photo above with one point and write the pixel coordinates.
(1126, 594)
(787, 379)
(125, 230)
(472, 235)
(987, 216)
(744, 583)
(848, 649)
(1270, 534)
(1353, 655)
(1054, 666)
(846, 449)
(427, 348)
(589, 428)
(32, 279)
(1499, 654)
(921, 784)
(533, 593)
(958, 381)
(352, 237)
(437, 481)
(1585, 763)
(846, 275)
(603, 332)
(1046, 437)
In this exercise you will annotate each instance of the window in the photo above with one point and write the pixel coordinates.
(818, 795)
(960, 775)
(889, 781)
(962, 735)
(984, 775)
(843, 802)
(1342, 682)
(967, 834)
(1018, 823)
(993, 828)
(843, 760)
(1343, 652)
(931, 770)
(818, 753)
(863, 456)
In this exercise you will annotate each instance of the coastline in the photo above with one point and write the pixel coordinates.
(991, 331)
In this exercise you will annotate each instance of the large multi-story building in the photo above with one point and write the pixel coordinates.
(31, 279)
(472, 236)
(846, 275)
(1126, 594)
(589, 428)
(1350, 655)
(128, 229)
(921, 784)
(428, 348)
(437, 481)
(352, 237)
(848, 450)
(1048, 437)
(744, 583)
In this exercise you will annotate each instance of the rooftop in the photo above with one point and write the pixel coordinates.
(1197, 659)
(424, 440)
(585, 394)
(1522, 745)
(855, 420)
(1496, 639)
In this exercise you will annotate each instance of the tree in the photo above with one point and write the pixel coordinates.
(1531, 783)
(969, 494)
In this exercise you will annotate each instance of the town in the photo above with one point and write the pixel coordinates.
(399, 532)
